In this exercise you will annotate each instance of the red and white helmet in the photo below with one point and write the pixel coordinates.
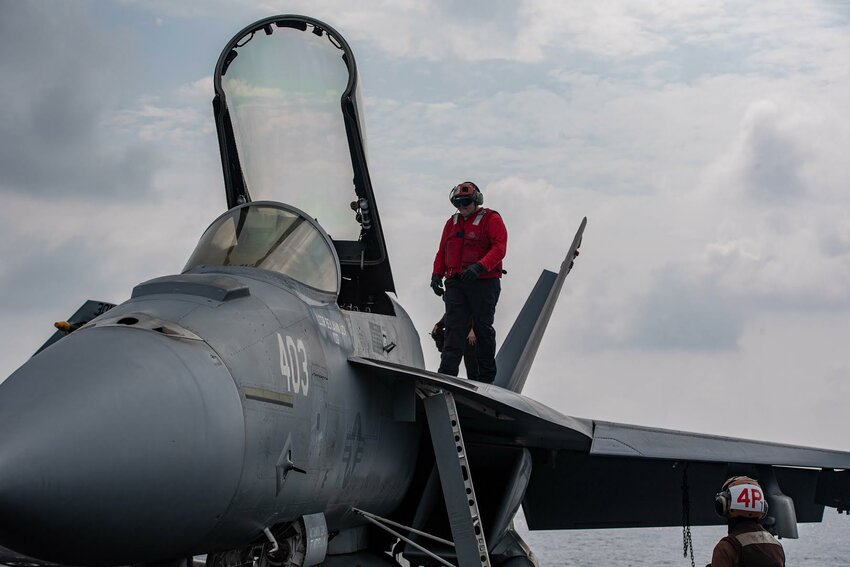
(741, 497)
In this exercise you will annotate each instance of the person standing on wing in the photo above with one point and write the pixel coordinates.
(472, 247)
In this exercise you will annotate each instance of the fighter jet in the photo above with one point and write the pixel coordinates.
(270, 404)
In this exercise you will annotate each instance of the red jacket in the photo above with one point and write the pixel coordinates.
(480, 238)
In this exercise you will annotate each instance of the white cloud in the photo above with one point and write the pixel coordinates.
(609, 29)
(200, 89)
(182, 126)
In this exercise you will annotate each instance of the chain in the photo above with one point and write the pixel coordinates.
(687, 542)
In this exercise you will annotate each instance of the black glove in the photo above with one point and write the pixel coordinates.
(437, 285)
(472, 272)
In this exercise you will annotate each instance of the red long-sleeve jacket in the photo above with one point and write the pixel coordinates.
(481, 237)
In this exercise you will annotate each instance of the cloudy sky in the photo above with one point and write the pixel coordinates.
(704, 141)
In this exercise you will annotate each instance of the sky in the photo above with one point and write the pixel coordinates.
(704, 141)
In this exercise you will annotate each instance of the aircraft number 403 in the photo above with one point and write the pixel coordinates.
(293, 363)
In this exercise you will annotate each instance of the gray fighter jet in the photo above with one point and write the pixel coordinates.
(269, 405)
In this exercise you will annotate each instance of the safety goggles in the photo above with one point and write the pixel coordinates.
(463, 201)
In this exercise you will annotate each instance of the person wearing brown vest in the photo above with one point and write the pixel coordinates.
(741, 501)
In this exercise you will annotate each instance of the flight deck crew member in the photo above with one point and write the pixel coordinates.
(741, 501)
(470, 256)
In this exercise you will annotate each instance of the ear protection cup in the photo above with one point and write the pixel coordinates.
(478, 195)
(721, 503)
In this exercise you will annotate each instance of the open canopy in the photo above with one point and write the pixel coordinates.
(287, 110)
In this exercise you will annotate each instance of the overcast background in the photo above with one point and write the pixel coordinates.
(704, 141)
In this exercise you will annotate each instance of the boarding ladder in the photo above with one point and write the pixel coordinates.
(455, 477)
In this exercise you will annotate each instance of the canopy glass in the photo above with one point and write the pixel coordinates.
(283, 88)
(272, 237)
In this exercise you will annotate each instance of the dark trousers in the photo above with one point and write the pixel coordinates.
(476, 299)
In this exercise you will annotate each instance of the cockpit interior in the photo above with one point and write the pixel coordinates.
(273, 237)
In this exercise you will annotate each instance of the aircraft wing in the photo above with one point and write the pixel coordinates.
(638, 476)
(491, 413)
(596, 474)
(620, 440)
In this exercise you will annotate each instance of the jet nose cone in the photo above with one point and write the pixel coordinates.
(117, 446)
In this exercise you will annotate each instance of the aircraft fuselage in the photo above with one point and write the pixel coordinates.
(219, 386)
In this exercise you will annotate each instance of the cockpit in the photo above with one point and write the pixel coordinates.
(273, 237)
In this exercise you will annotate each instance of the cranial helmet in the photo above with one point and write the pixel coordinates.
(466, 190)
(741, 497)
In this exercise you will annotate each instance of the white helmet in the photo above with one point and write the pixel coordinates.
(741, 497)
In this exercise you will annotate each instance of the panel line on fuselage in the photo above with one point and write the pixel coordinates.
(268, 396)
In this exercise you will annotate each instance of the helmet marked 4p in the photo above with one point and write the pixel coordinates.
(741, 497)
